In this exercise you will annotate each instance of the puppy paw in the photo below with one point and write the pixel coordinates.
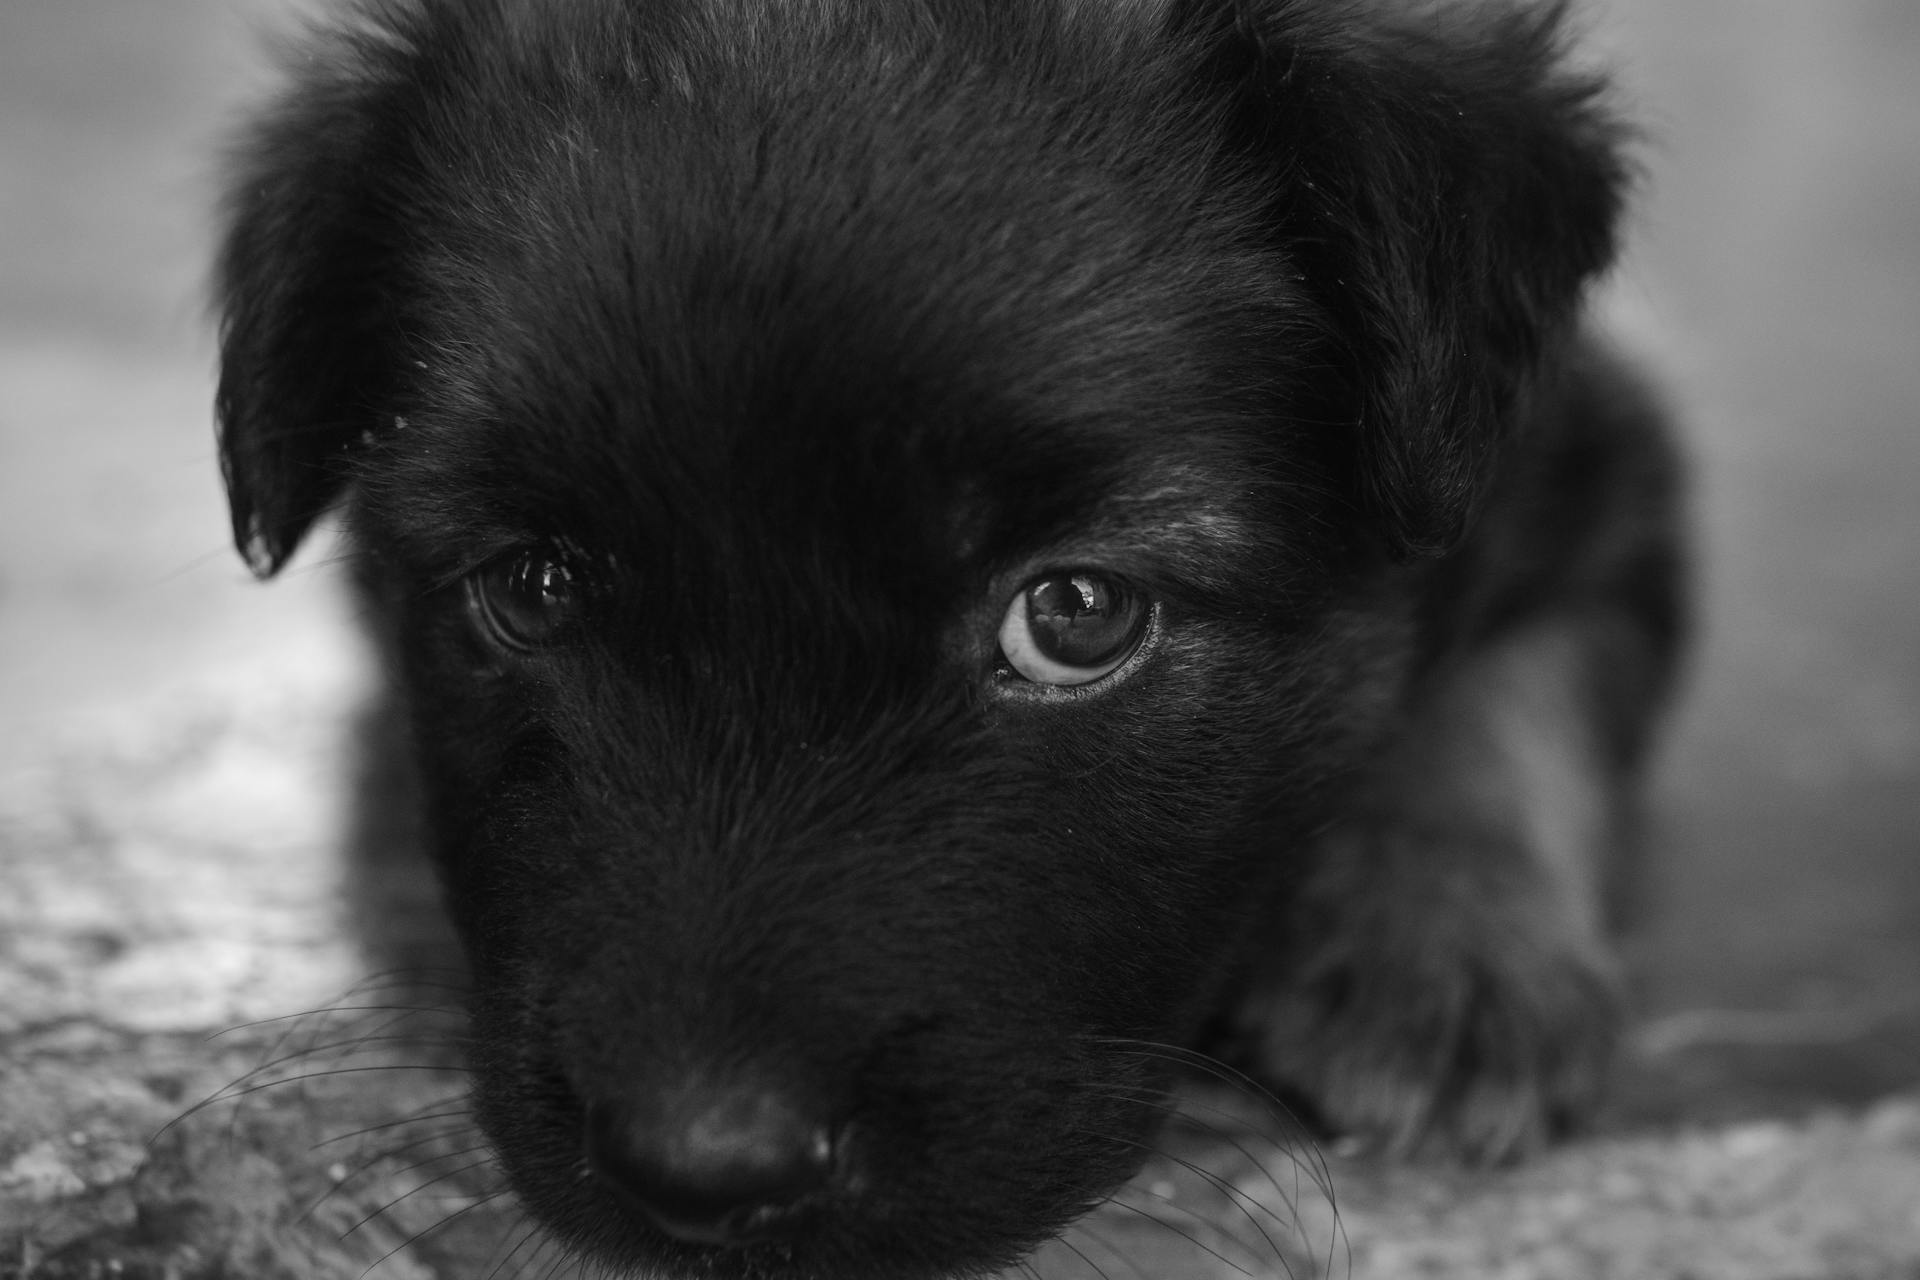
(1455, 1015)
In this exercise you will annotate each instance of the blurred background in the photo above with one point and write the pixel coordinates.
(1773, 283)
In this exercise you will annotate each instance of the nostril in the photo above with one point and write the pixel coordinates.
(711, 1164)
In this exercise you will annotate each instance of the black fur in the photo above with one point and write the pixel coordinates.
(801, 335)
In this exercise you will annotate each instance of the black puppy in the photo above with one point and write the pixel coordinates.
(944, 550)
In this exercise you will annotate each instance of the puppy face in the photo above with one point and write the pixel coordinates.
(891, 541)
(835, 642)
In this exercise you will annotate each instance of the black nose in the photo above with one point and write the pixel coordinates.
(711, 1163)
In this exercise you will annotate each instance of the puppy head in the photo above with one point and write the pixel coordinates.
(889, 511)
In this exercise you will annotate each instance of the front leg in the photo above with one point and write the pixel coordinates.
(1443, 982)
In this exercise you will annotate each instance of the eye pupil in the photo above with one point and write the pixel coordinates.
(521, 602)
(1072, 628)
(1079, 620)
(540, 583)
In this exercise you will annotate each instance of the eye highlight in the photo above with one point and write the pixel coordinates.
(519, 603)
(1072, 628)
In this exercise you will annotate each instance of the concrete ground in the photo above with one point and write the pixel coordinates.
(173, 763)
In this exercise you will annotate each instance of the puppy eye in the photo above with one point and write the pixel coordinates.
(519, 603)
(1072, 628)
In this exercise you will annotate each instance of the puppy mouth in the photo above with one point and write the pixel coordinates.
(745, 1188)
(679, 1162)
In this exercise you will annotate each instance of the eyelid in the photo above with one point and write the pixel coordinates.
(470, 561)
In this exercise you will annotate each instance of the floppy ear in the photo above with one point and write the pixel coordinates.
(1450, 189)
(301, 286)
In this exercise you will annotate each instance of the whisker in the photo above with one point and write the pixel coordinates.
(268, 1071)
(560, 1259)
(1171, 1205)
(414, 1191)
(345, 1048)
(375, 1158)
(403, 1167)
(1245, 1086)
(324, 1017)
(1188, 1236)
(327, 1038)
(1084, 1229)
(1180, 1110)
(1126, 1259)
(258, 1023)
(1294, 1160)
(229, 1093)
(526, 1237)
(419, 1115)
(1092, 1266)
(1243, 1203)
(425, 1231)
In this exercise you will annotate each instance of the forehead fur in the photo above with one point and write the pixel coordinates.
(836, 255)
